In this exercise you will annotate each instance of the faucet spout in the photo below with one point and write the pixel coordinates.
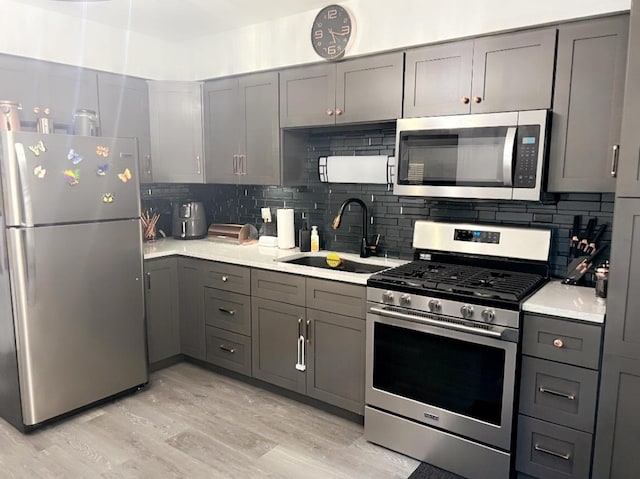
(365, 249)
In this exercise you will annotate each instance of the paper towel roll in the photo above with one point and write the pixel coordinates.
(286, 233)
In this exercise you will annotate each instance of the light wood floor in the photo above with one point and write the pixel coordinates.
(193, 423)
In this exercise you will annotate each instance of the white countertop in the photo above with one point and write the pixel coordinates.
(259, 257)
(566, 301)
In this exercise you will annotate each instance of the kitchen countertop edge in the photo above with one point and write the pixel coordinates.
(255, 256)
(567, 301)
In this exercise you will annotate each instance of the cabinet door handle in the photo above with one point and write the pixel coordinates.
(464, 100)
(235, 164)
(614, 160)
(477, 99)
(300, 366)
(539, 448)
(558, 343)
(198, 165)
(227, 349)
(243, 163)
(225, 279)
(339, 111)
(329, 112)
(230, 312)
(148, 160)
(148, 281)
(307, 331)
(544, 390)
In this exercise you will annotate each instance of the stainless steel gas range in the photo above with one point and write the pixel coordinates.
(442, 345)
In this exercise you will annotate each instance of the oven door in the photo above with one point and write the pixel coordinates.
(452, 379)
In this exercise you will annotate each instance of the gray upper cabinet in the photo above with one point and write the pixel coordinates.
(353, 91)
(242, 130)
(498, 73)
(161, 300)
(438, 79)
(629, 164)
(124, 112)
(587, 106)
(60, 88)
(175, 112)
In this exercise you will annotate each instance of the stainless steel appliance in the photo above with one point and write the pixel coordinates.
(442, 345)
(189, 220)
(72, 326)
(488, 156)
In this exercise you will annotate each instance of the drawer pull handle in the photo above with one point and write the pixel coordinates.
(225, 279)
(570, 397)
(230, 312)
(227, 349)
(558, 343)
(538, 448)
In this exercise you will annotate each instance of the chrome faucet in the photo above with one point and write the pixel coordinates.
(365, 248)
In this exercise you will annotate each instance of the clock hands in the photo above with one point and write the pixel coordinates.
(333, 34)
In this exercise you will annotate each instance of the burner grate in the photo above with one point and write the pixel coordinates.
(464, 279)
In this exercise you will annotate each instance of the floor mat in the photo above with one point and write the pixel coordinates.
(427, 471)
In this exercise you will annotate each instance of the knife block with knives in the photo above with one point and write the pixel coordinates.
(584, 248)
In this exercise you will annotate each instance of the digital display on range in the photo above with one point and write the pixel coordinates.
(477, 236)
(529, 140)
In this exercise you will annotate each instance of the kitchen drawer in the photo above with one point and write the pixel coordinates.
(228, 277)
(229, 350)
(335, 297)
(563, 341)
(559, 393)
(550, 451)
(229, 311)
(284, 287)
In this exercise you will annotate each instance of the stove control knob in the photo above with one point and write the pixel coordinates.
(435, 306)
(466, 311)
(387, 297)
(489, 315)
(405, 299)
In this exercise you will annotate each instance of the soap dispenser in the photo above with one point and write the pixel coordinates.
(315, 240)
(304, 239)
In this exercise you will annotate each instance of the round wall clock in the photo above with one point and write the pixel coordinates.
(331, 32)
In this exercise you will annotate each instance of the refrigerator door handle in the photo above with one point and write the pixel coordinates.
(27, 211)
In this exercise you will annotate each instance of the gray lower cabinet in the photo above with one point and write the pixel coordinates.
(162, 314)
(242, 130)
(227, 316)
(558, 397)
(191, 292)
(317, 350)
(353, 91)
(124, 112)
(506, 72)
(175, 112)
(587, 105)
(618, 431)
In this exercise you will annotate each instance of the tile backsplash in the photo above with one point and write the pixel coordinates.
(392, 217)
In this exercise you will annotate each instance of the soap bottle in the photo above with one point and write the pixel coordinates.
(315, 240)
(304, 240)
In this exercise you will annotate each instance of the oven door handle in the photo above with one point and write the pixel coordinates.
(507, 157)
(435, 322)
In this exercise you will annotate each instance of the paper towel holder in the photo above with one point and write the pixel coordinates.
(379, 169)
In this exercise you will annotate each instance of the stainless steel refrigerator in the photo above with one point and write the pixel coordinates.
(72, 328)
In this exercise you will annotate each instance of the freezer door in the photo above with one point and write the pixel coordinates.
(50, 179)
(78, 299)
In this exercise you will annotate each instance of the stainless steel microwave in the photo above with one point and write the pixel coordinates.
(486, 156)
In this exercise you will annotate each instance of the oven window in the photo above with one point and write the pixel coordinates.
(461, 157)
(459, 376)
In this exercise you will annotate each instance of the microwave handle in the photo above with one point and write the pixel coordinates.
(507, 157)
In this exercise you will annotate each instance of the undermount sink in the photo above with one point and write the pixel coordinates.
(346, 265)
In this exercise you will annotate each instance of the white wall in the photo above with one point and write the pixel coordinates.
(380, 25)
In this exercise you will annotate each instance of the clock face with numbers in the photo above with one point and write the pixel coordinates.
(331, 32)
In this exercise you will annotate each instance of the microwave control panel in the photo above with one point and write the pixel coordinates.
(527, 146)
